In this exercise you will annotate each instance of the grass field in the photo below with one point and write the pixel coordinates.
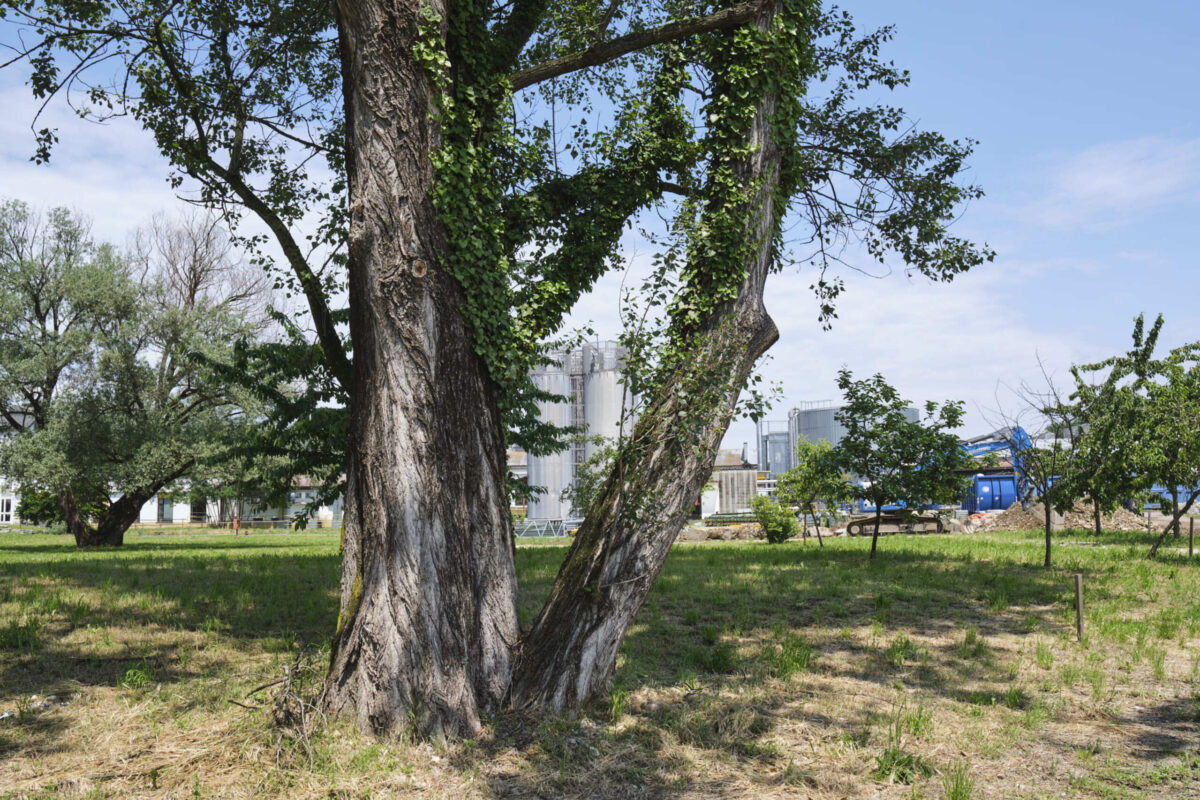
(947, 669)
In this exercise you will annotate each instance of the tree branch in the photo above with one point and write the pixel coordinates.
(632, 42)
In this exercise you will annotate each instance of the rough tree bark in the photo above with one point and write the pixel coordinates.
(569, 654)
(428, 613)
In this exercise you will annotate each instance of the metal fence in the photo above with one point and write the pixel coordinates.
(545, 527)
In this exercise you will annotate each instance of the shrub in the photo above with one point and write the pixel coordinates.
(779, 524)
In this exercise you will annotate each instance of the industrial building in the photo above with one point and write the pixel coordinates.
(776, 451)
(808, 421)
(594, 401)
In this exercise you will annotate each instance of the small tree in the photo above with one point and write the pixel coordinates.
(778, 523)
(1045, 454)
(1108, 410)
(912, 463)
(1154, 409)
(816, 478)
(1168, 437)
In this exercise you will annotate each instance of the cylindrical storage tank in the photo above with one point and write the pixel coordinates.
(603, 393)
(815, 424)
(552, 472)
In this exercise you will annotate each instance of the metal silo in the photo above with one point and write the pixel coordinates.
(603, 392)
(552, 472)
(815, 421)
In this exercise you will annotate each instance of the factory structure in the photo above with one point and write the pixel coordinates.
(808, 421)
(594, 401)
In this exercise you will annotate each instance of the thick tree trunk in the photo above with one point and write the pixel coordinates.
(428, 613)
(569, 655)
(109, 530)
(1096, 517)
(1046, 510)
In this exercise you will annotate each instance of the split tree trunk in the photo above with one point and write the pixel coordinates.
(569, 655)
(109, 530)
(428, 613)
(1176, 515)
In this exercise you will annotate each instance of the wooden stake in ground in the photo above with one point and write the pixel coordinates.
(1079, 605)
(1191, 535)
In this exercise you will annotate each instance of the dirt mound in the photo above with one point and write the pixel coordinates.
(1013, 518)
(726, 533)
(1121, 520)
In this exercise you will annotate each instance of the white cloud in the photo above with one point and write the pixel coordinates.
(112, 173)
(1113, 183)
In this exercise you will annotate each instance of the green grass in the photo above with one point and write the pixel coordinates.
(749, 665)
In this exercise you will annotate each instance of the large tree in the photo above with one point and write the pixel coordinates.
(469, 223)
(96, 351)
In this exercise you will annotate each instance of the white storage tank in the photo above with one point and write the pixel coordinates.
(552, 472)
(603, 393)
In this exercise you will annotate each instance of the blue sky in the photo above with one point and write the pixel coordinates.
(1089, 151)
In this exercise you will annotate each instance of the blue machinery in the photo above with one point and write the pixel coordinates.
(998, 490)
(993, 490)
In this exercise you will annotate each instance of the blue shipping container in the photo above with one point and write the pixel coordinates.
(991, 493)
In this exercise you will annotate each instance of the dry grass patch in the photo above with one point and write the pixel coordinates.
(948, 669)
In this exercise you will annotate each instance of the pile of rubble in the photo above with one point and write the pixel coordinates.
(744, 532)
(1122, 519)
(1013, 518)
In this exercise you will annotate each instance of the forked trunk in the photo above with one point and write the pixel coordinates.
(428, 613)
(569, 655)
(109, 530)
(1176, 516)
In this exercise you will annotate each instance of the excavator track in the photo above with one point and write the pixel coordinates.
(866, 525)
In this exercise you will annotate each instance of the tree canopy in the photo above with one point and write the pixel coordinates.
(816, 478)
